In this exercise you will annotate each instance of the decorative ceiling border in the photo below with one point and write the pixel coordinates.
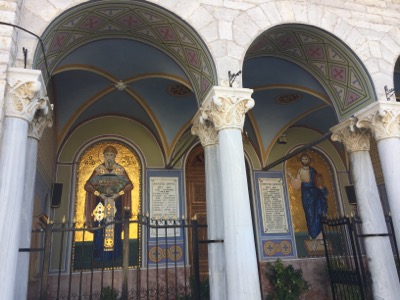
(328, 59)
(134, 20)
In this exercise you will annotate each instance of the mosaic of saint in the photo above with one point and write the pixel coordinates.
(108, 185)
(311, 196)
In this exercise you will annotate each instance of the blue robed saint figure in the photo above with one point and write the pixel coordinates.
(313, 195)
(108, 192)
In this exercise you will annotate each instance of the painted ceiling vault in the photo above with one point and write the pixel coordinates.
(326, 58)
(302, 76)
(135, 60)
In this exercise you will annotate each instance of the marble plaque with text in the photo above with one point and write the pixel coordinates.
(164, 203)
(273, 205)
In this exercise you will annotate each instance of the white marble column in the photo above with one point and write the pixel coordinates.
(36, 128)
(24, 96)
(208, 136)
(383, 119)
(226, 109)
(385, 282)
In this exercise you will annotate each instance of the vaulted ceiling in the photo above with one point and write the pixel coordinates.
(136, 60)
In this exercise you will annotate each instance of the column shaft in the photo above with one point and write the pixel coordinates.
(215, 221)
(22, 276)
(380, 259)
(12, 170)
(225, 109)
(239, 246)
(383, 120)
(389, 154)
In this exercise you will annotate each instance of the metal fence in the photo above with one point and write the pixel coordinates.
(160, 262)
(344, 249)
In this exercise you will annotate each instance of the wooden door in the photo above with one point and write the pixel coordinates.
(196, 203)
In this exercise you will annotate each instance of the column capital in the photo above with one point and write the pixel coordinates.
(39, 123)
(354, 138)
(204, 129)
(383, 118)
(226, 107)
(25, 94)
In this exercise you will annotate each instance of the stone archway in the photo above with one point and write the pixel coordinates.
(135, 20)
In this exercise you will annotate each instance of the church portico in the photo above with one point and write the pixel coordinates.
(220, 112)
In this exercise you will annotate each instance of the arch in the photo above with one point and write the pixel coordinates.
(381, 50)
(330, 61)
(134, 20)
(123, 129)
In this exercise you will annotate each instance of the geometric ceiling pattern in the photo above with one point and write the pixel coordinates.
(328, 60)
(134, 20)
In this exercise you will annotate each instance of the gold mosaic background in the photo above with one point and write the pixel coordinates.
(296, 208)
(88, 162)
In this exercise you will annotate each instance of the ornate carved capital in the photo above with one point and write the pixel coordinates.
(205, 130)
(25, 94)
(226, 107)
(354, 138)
(39, 124)
(382, 118)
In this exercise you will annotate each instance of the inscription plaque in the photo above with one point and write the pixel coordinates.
(164, 203)
(273, 205)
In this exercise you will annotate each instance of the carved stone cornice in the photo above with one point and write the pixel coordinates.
(226, 107)
(205, 130)
(383, 118)
(354, 138)
(25, 94)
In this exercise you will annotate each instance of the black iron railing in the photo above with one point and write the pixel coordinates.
(344, 249)
(153, 264)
